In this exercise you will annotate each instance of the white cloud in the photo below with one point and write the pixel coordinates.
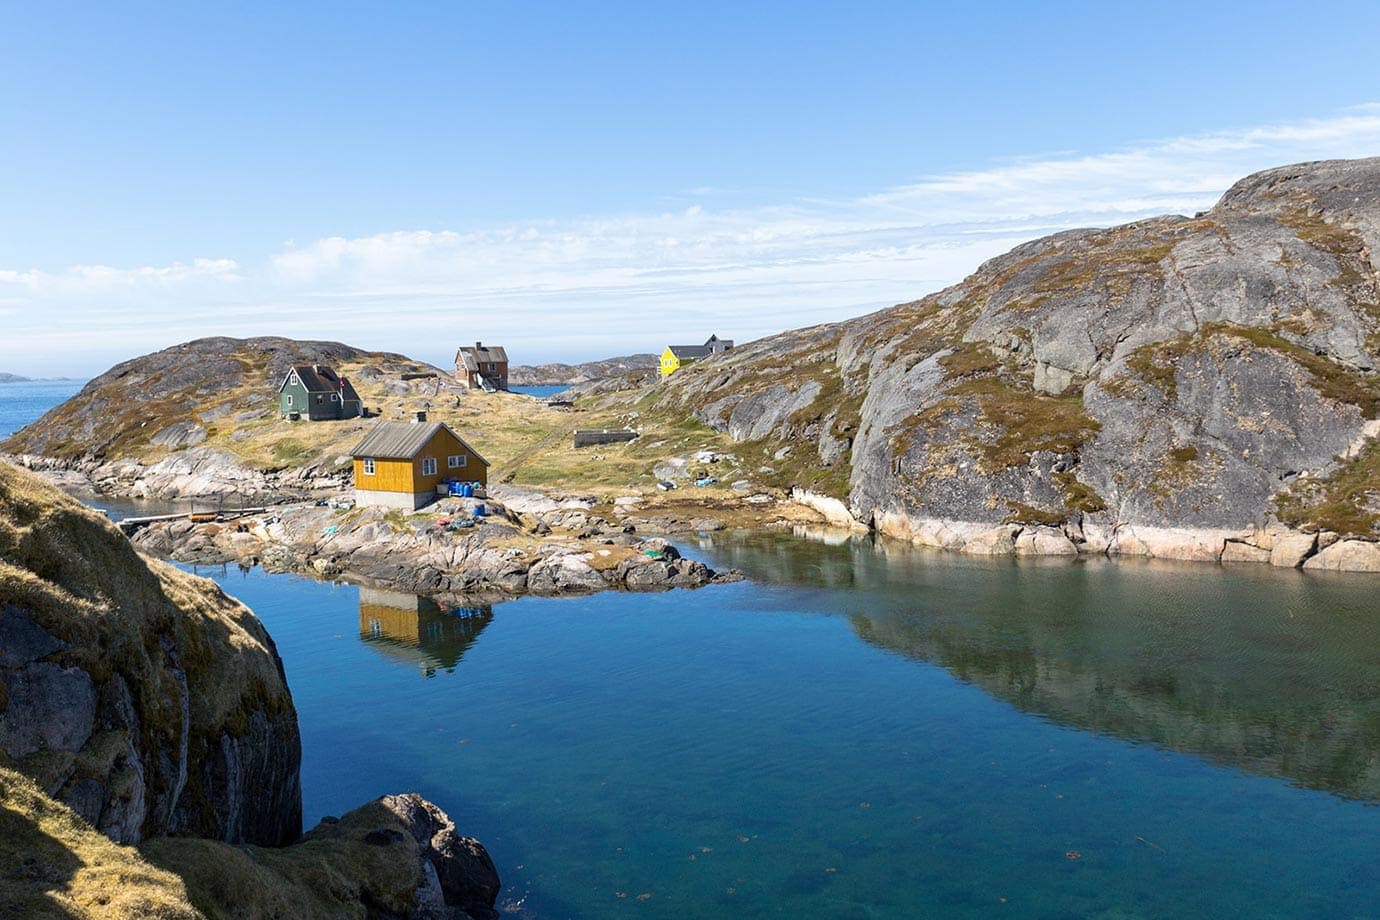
(615, 283)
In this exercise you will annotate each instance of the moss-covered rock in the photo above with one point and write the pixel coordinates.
(144, 698)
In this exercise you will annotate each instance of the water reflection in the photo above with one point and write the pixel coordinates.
(418, 631)
(1275, 672)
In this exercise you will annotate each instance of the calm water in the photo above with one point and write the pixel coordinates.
(859, 733)
(540, 392)
(23, 402)
(864, 732)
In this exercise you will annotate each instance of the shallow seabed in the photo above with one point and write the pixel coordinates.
(862, 731)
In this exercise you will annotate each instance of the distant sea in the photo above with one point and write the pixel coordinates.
(25, 401)
(540, 392)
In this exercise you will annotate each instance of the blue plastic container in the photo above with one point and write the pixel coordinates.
(480, 511)
(467, 490)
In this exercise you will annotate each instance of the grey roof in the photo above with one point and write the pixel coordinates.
(320, 378)
(473, 356)
(404, 440)
(711, 345)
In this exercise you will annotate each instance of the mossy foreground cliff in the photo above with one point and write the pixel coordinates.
(1168, 387)
(141, 705)
(142, 697)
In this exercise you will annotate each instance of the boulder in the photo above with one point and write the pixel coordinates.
(568, 572)
(1044, 541)
(1236, 551)
(1346, 556)
(1290, 550)
(994, 541)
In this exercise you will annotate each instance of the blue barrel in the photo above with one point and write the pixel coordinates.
(480, 511)
(467, 490)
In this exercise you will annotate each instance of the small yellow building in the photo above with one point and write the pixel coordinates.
(677, 356)
(399, 464)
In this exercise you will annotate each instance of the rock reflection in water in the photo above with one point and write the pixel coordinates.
(1275, 672)
(418, 631)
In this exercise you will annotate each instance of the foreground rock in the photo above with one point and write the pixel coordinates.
(136, 702)
(397, 857)
(144, 698)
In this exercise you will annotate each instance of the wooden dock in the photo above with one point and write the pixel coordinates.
(130, 524)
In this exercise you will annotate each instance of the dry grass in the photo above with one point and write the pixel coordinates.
(1347, 501)
(54, 865)
(331, 873)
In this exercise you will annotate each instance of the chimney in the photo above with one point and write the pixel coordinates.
(478, 346)
(421, 417)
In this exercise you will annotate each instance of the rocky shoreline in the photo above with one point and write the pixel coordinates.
(578, 551)
(463, 547)
(1270, 544)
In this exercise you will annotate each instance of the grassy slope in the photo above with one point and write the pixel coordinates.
(53, 865)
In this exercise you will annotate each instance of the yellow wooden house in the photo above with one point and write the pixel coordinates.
(677, 356)
(400, 464)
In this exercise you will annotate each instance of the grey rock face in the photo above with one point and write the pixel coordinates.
(180, 435)
(1176, 373)
(51, 708)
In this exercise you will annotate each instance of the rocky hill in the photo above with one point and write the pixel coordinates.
(569, 374)
(1180, 386)
(181, 396)
(138, 702)
(12, 378)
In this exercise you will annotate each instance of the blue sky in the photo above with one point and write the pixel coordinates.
(580, 180)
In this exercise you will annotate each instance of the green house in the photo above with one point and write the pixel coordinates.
(316, 392)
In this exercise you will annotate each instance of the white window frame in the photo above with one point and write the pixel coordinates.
(368, 463)
(456, 461)
(289, 396)
(428, 466)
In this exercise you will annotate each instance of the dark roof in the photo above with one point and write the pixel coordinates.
(320, 378)
(404, 440)
(711, 345)
(473, 356)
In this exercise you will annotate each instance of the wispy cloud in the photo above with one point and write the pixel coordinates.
(607, 284)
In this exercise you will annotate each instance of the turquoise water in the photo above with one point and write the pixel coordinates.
(540, 392)
(24, 401)
(863, 733)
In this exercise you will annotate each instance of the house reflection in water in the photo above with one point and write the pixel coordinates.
(417, 631)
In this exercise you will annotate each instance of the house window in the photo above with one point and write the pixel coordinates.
(319, 400)
(368, 466)
(289, 402)
(428, 466)
(455, 462)
(335, 397)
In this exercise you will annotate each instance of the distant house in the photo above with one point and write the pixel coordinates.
(481, 368)
(316, 392)
(677, 356)
(399, 464)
